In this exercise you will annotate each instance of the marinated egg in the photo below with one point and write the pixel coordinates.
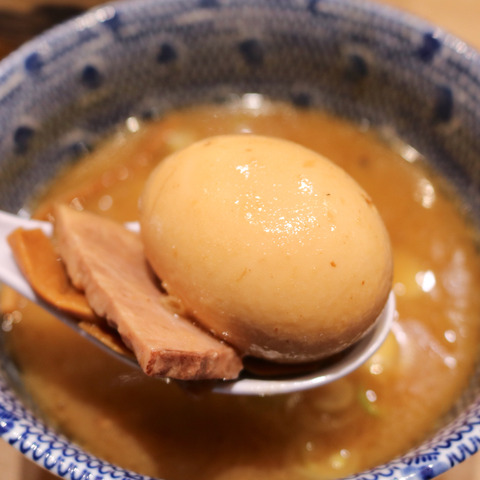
(268, 245)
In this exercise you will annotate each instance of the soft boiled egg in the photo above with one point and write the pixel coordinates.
(268, 245)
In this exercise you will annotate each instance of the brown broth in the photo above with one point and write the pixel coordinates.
(374, 414)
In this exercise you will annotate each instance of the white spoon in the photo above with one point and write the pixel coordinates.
(248, 384)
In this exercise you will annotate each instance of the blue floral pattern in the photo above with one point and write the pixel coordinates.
(62, 92)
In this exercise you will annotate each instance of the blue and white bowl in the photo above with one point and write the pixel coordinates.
(66, 89)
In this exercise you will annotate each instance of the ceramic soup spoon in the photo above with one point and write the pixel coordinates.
(248, 383)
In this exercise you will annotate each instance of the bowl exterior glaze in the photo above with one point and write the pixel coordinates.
(63, 91)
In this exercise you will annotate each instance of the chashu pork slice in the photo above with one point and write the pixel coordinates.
(107, 262)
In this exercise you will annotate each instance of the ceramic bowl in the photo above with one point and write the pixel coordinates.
(66, 89)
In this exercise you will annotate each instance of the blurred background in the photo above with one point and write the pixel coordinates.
(23, 19)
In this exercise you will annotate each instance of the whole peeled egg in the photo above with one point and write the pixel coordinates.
(268, 245)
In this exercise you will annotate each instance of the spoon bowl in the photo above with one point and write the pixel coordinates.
(327, 372)
(247, 384)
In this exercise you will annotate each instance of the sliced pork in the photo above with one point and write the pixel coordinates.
(107, 262)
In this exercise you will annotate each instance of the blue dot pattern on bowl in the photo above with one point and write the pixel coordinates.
(33, 63)
(429, 48)
(22, 138)
(167, 54)
(348, 57)
(91, 77)
(62, 92)
(251, 51)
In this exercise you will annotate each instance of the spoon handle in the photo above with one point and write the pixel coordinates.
(10, 274)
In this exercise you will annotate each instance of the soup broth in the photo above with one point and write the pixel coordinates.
(375, 413)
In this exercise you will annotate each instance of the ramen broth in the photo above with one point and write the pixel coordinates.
(379, 411)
